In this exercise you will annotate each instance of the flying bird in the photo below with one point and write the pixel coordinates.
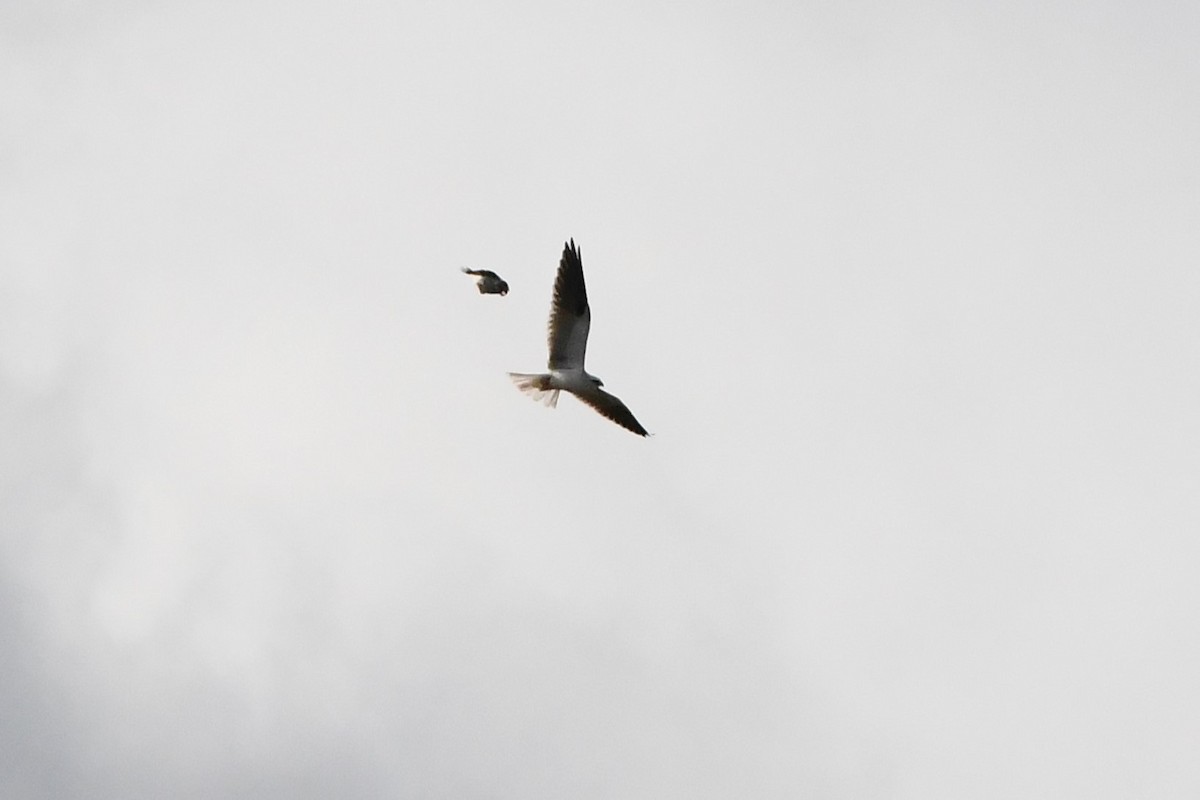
(570, 319)
(489, 282)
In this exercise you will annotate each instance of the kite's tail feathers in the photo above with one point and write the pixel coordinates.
(536, 386)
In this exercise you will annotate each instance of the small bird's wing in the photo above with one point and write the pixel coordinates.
(570, 317)
(611, 407)
(483, 273)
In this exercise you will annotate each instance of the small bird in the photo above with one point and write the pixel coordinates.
(489, 282)
(570, 319)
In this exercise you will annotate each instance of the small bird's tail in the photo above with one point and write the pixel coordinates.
(536, 386)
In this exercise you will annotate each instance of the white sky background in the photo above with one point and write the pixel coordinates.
(907, 295)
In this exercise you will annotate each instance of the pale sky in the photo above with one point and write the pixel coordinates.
(907, 295)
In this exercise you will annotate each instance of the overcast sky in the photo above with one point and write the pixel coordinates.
(907, 294)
